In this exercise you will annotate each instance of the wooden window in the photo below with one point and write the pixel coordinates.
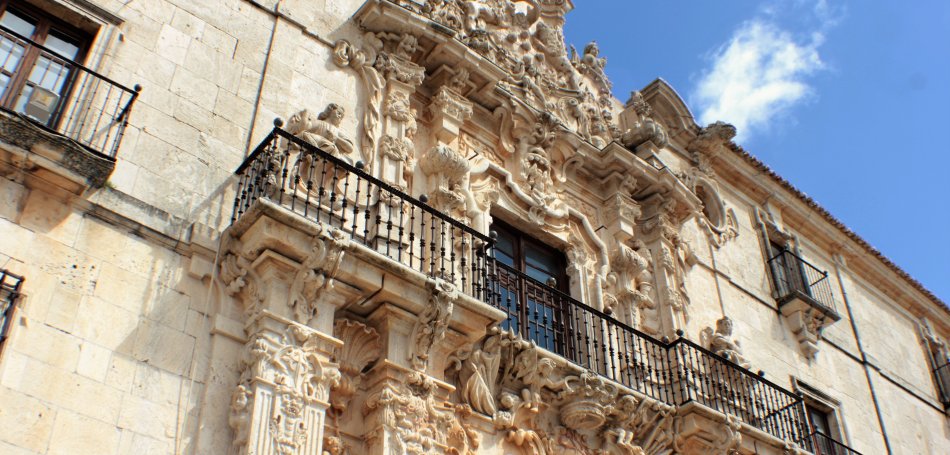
(25, 68)
(532, 282)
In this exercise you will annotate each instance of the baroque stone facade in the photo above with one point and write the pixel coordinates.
(341, 288)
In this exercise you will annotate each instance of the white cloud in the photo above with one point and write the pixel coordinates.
(759, 74)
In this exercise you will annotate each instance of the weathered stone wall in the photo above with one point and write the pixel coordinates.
(124, 345)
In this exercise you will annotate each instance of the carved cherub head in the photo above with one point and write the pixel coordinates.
(724, 326)
(333, 114)
(592, 49)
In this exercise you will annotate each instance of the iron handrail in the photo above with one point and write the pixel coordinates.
(821, 444)
(278, 132)
(792, 274)
(73, 62)
(674, 372)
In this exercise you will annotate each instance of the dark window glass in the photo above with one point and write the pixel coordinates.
(532, 285)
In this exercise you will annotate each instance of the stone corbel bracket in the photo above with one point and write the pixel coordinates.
(807, 320)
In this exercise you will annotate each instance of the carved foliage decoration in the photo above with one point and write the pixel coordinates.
(718, 438)
(409, 416)
(630, 282)
(363, 60)
(314, 278)
(525, 38)
(237, 277)
(448, 173)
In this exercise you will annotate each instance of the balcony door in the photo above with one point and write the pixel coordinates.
(788, 271)
(532, 288)
(26, 68)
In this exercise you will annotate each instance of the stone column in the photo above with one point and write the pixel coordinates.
(279, 405)
(671, 260)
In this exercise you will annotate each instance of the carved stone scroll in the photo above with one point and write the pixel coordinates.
(314, 279)
(430, 328)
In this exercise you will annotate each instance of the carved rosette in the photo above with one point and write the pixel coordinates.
(279, 405)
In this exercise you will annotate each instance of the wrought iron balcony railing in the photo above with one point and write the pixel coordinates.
(676, 373)
(819, 443)
(795, 277)
(62, 96)
(9, 298)
(325, 189)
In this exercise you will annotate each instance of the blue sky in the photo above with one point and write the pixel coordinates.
(848, 100)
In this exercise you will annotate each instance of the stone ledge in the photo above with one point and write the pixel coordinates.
(50, 156)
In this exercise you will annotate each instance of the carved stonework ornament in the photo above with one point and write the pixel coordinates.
(525, 38)
(314, 278)
(285, 372)
(645, 129)
(361, 349)
(721, 342)
(411, 421)
(629, 282)
(432, 323)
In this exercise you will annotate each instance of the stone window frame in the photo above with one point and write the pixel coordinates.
(815, 398)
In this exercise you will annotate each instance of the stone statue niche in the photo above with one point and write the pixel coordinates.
(722, 343)
(322, 131)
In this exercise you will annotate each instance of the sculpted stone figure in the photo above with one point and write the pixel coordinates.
(723, 344)
(323, 131)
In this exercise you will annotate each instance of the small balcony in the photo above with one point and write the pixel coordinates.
(325, 189)
(795, 278)
(59, 116)
(819, 443)
(62, 96)
(804, 296)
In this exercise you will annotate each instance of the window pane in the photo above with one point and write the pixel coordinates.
(541, 259)
(18, 23)
(10, 52)
(505, 249)
(62, 45)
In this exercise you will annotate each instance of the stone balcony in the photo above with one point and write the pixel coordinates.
(62, 134)
(337, 247)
